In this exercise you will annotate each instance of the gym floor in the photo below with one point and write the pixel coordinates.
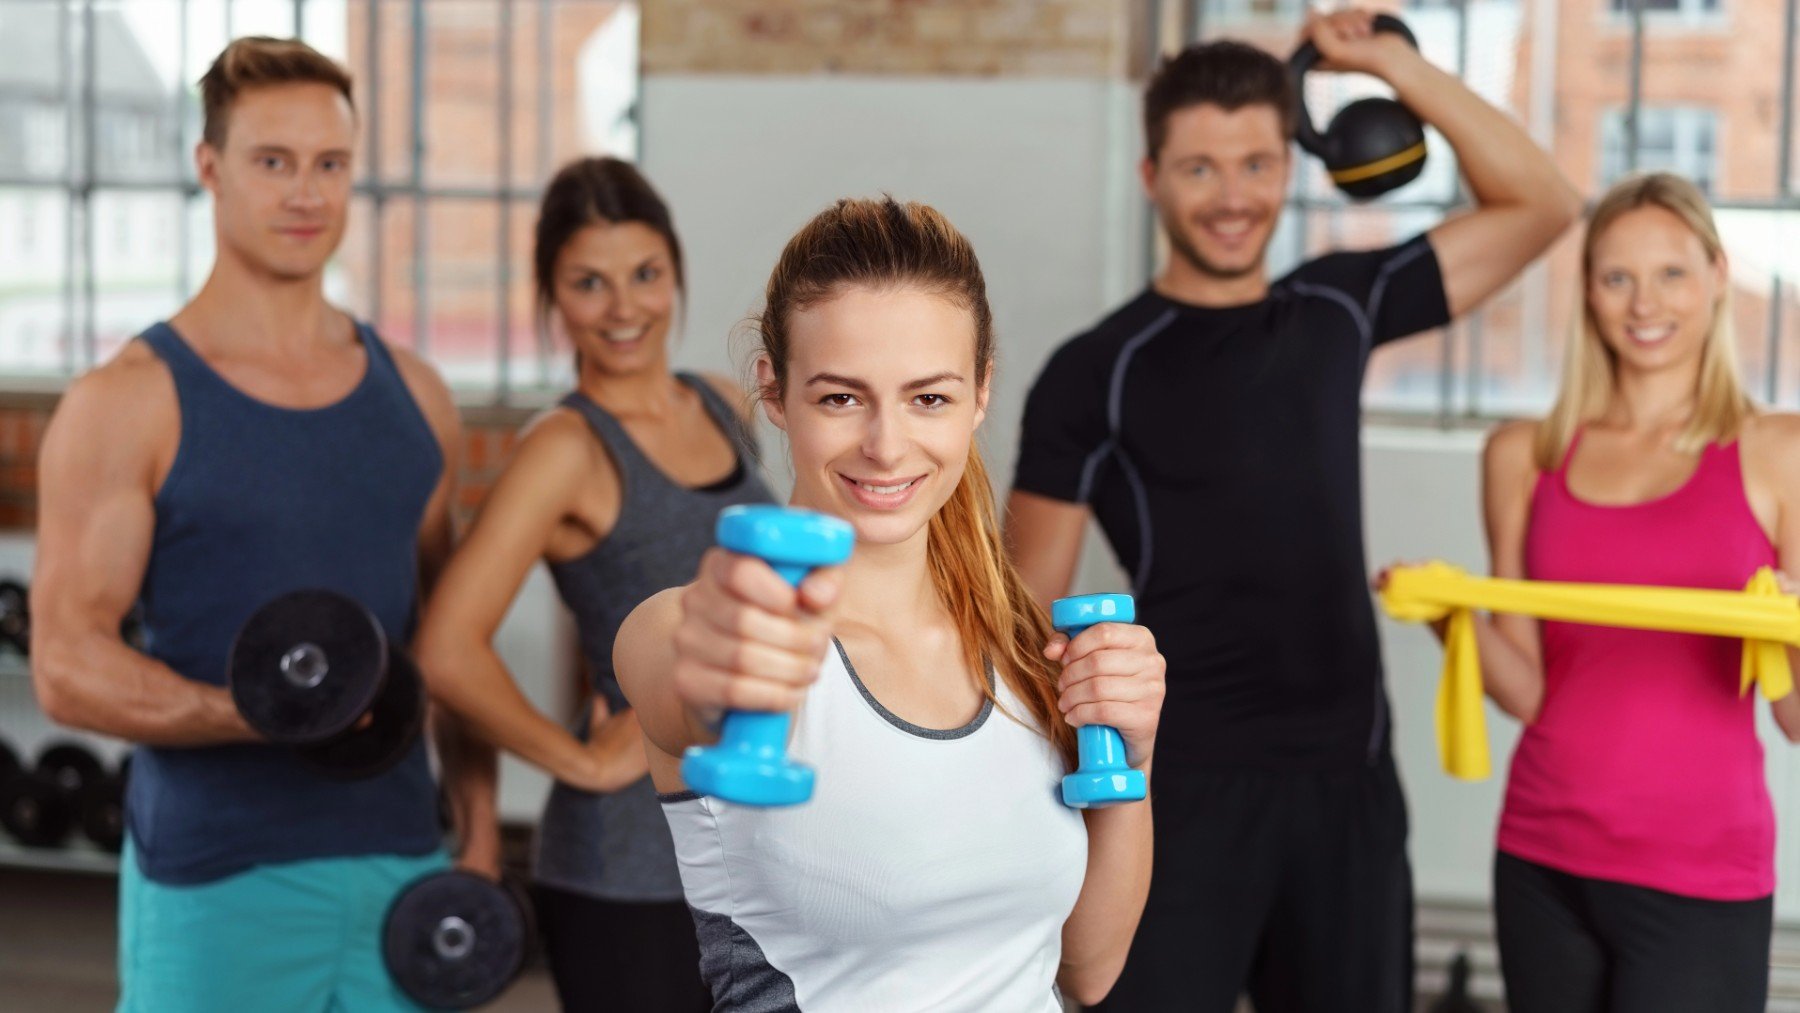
(58, 950)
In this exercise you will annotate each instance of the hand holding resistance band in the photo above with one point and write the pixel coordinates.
(749, 765)
(1766, 619)
(1103, 778)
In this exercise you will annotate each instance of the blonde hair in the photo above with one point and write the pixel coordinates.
(1590, 369)
(884, 243)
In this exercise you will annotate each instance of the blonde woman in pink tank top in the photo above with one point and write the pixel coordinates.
(1635, 866)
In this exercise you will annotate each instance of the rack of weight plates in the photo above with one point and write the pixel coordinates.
(61, 792)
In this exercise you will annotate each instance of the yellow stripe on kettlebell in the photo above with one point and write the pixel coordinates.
(1358, 173)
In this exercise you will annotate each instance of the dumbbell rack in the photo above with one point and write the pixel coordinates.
(26, 730)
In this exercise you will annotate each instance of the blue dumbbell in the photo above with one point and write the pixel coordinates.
(1104, 778)
(749, 765)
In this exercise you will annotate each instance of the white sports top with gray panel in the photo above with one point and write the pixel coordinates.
(932, 869)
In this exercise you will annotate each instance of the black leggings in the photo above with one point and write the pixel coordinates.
(1569, 944)
(614, 955)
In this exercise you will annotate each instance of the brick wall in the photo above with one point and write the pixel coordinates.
(1078, 38)
(488, 439)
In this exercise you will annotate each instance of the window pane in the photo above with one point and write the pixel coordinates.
(135, 278)
(1761, 249)
(463, 321)
(462, 122)
(34, 320)
(34, 87)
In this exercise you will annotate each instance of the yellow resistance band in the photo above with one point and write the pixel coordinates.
(1761, 615)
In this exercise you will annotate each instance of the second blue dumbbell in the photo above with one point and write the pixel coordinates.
(750, 765)
(1103, 778)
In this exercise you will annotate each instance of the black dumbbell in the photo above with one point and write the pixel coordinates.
(9, 761)
(73, 767)
(313, 670)
(454, 940)
(15, 616)
(1373, 145)
(34, 810)
(102, 808)
(39, 807)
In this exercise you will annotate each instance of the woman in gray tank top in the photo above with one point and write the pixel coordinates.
(616, 490)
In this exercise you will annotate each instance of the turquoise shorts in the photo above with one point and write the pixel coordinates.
(302, 937)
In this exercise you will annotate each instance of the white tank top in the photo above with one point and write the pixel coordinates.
(932, 869)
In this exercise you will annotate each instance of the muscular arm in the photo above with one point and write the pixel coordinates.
(103, 455)
(1043, 537)
(1522, 201)
(1512, 668)
(456, 639)
(470, 767)
(1771, 449)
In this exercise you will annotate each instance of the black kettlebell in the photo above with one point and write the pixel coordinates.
(1373, 144)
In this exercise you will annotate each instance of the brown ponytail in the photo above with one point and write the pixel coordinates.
(881, 244)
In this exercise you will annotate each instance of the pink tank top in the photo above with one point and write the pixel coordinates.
(1643, 766)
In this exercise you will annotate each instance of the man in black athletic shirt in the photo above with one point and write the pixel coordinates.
(1211, 427)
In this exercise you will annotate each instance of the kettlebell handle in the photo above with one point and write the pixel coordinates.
(1305, 59)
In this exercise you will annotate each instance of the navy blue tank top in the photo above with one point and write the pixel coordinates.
(262, 500)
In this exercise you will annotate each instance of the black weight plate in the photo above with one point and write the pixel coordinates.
(72, 767)
(15, 616)
(453, 940)
(35, 811)
(395, 721)
(9, 761)
(297, 704)
(103, 813)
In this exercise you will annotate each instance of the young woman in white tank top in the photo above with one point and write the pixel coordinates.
(935, 866)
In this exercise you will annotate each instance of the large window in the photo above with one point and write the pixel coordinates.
(1678, 139)
(1698, 8)
(1707, 91)
(466, 107)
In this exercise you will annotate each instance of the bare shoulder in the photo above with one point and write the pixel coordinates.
(557, 442)
(1511, 447)
(1772, 439)
(733, 392)
(428, 389)
(126, 403)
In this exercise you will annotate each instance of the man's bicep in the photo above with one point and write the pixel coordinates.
(97, 518)
(1043, 536)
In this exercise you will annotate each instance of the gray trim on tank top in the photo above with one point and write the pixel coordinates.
(974, 724)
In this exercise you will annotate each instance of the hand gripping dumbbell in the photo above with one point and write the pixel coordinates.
(1103, 777)
(1373, 145)
(454, 940)
(749, 765)
(313, 670)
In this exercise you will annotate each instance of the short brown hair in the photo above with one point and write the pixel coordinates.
(1225, 73)
(257, 61)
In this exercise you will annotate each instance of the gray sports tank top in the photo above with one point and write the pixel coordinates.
(617, 846)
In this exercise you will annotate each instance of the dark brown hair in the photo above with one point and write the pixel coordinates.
(591, 191)
(885, 244)
(257, 61)
(1225, 73)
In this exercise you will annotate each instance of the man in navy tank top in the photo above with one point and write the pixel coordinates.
(258, 442)
(1211, 427)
